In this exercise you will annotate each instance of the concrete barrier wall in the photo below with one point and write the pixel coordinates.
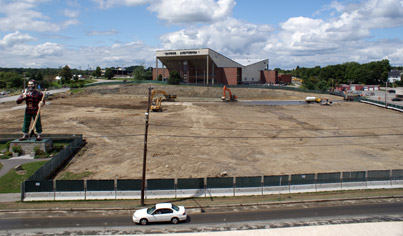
(66, 196)
(328, 187)
(220, 192)
(209, 187)
(276, 190)
(39, 196)
(248, 191)
(186, 193)
(153, 194)
(128, 194)
(100, 195)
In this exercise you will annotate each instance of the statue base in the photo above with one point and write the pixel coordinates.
(28, 146)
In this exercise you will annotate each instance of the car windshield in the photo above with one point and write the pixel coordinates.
(150, 210)
(176, 208)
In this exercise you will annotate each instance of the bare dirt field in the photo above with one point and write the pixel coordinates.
(201, 136)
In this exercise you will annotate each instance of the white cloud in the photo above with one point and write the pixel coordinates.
(115, 3)
(98, 33)
(70, 22)
(303, 40)
(192, 11)
(12, 39)
(71, 13)
(227, 36)
(179, 11)
(21, 15)
(54, 55)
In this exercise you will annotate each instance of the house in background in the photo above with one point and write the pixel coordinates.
(395, 75)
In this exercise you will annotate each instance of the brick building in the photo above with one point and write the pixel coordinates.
(205, 66)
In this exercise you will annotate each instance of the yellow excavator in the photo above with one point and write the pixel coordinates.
(231, 98)
(167, 97)
(156, 104)
(322, 101)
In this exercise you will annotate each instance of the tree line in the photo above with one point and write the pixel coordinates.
(14, 78)
(324, 78)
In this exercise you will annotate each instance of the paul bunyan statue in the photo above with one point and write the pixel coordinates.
(34, 100)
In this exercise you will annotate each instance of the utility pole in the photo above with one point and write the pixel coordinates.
(386, 91)
(143, 182)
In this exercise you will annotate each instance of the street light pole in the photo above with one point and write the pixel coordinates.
(143, 182)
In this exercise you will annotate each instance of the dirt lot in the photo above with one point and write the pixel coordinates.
(200, 136)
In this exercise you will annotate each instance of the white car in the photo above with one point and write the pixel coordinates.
(161, 212)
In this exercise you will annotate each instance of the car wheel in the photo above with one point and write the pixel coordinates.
(174, 220)
(143, 221)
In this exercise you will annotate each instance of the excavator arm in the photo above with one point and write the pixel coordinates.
(168, 97)
(231, 97)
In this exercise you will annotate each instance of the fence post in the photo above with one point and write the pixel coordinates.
(22, 191)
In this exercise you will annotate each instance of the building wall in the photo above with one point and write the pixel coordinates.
(251, 73)
(269, 76)
(163, 72)
(284, 79)
(227, 75)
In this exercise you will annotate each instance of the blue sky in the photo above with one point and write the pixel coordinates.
(290, 33)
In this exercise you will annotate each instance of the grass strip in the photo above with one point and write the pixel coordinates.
(11, 182)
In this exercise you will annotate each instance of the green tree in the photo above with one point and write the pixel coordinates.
(139, 73)
(66, 74)
(109, 73)
(174, 77)
(98, 72)
(11, 79)
(39, 76)
(32, 76)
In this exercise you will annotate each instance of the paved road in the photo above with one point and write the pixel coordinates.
(8, 164)
(264, 218)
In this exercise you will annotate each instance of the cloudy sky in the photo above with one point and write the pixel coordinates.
(83, 34)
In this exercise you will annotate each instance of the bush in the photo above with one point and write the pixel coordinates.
(58, 147)
(39, 153)
(8, 145)
(174, 78)
(7, 155)
(78, 84)
(17, 149)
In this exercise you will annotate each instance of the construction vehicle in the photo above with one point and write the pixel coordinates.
(231, 98)
(167, 97)
(326, 102)
(322, 101)
(312, 99)
(156, 104)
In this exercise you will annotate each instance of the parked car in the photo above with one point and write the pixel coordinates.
(391, 91)
(397, 99)
(161, 212)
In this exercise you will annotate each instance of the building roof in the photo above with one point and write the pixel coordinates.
(395, 73)
(168, 56)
